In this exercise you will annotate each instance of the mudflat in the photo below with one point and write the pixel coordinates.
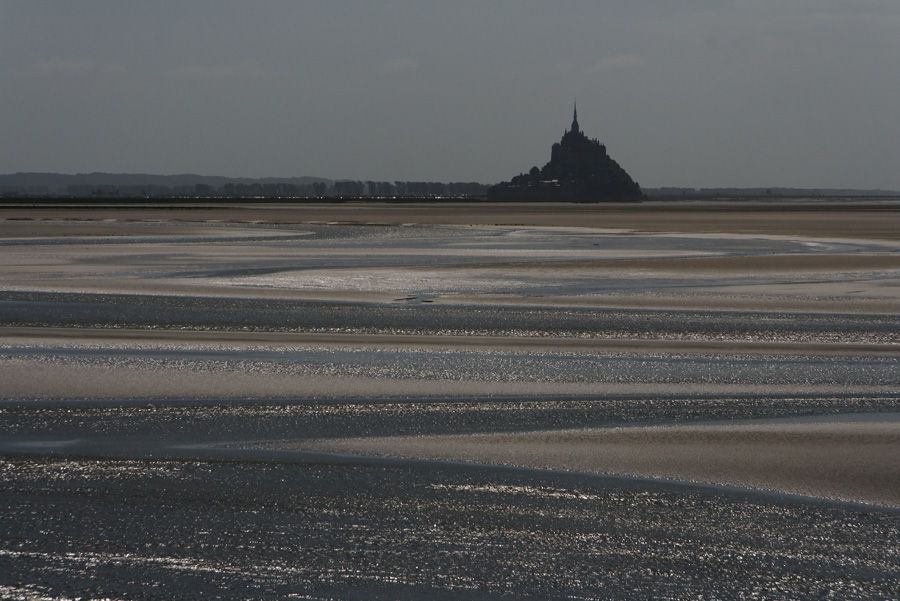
(428, 401)
(835, 257)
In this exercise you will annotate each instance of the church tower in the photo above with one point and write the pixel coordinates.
(575, 127)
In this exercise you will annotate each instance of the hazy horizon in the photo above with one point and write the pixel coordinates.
(693, 93)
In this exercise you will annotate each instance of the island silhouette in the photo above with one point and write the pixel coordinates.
(579, 170)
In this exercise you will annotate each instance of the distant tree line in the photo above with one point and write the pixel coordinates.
(771, 192)
(318, 189)
(358, 189)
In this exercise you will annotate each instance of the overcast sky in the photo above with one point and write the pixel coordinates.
(682, 92)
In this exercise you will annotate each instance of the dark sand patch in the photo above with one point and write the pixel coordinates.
(841, 220)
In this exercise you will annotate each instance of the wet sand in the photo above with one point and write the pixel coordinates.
(135, 338)
(848, 460)
(175, 366)
(869, 220)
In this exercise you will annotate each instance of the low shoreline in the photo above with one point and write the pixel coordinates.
(837, 219)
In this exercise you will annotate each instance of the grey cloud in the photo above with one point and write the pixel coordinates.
(242, 69)
(617, 61)
(400, 65)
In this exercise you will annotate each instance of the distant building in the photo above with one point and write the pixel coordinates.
(579, 170)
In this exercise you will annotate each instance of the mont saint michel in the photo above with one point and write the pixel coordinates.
(579, 170)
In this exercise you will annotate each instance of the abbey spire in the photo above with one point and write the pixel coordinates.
(575, 127)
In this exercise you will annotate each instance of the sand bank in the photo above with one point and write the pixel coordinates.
(847, 460)
(44, 380)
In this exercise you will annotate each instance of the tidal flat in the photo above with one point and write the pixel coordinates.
(369, 401)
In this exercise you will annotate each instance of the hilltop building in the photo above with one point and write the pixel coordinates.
(579, 170)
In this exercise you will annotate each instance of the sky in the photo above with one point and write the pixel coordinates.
(696, 93)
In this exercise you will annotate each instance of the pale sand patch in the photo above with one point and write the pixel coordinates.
(821, 279)
(691, 263)
(64, 338)
(867, 281)
(786, 287)
(36, 379)
(885, 289)
(847, 460)
(692, 299)
(687, 298)
(89, 232)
